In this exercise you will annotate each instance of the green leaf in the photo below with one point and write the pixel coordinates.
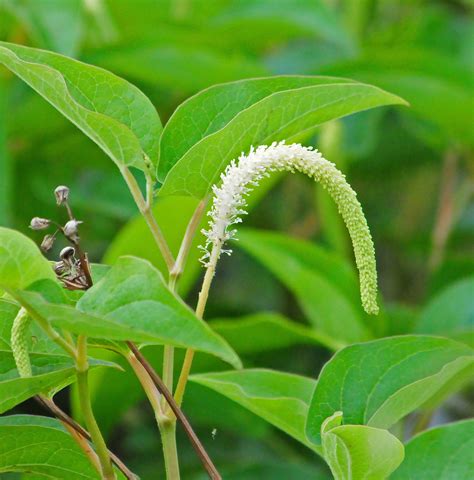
(325, 285)
(21, 262)
(357, 452)
(266, 331)
(215, 126)
(41, 446)
(113, 113)
(133, 295)
(377, 383)
(444, 453)
(51, 373)
(450, 312)
(279, 398)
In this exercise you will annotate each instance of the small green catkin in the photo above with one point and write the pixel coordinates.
(19, 343)
(240, 177)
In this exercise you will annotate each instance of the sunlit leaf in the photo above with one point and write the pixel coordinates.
(391, 378)
(109, 110)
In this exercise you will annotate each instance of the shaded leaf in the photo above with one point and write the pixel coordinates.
(51, 373)
(438, 89)
(266, 331)
(52, 24)
(325, 285)
(279, 398)
(450, 312)
(377, 383)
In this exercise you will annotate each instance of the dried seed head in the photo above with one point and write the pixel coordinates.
(67, 253)
(62, 194)
(240, 177)
(38, 223)
(48, 242)
(70, 229)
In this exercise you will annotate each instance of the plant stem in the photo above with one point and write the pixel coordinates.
(201, 306)
(82, 368)
(197, 445)
(170, 451)
(145, 210)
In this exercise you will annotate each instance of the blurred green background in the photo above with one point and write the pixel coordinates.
(412, 167)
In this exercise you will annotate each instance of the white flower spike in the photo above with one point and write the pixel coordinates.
(240, 177)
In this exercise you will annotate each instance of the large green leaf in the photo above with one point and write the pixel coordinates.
(267, 331)
(41, 446)
(21, 262)
(439, 89)
(379, 382)
(133, 294)
(112, 112)
(324, 284)
(444, 453)
(132, 303)
(450, 312)
(358, 452)
(215, 126)
(280, 398)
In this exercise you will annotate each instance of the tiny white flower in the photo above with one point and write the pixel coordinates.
(239, 178)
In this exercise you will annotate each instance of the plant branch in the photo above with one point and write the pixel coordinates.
(197, 445)
(145, 210)
(186, 244)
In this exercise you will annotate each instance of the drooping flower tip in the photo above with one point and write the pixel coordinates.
(239, 179)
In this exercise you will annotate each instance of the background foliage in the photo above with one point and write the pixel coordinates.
(412, 168)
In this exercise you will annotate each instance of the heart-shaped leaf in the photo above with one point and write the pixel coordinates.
(279, 398)
(216, 125)
(356, 452)
(42, 447)
(379, 382)
(444, 453)
(112, 112)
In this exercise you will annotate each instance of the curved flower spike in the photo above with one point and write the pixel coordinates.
(240, 177)
(19, 343)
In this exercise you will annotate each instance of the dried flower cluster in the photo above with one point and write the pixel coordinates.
(240, 177)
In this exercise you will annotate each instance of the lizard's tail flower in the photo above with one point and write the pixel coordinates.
(239, 178)
(19, 343)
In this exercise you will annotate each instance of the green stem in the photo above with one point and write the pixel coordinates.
(82, 369)
(145, 210)
(170, 451)
(201, 306)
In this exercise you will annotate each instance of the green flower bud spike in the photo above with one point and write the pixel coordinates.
(19, 343)
(229, 204)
